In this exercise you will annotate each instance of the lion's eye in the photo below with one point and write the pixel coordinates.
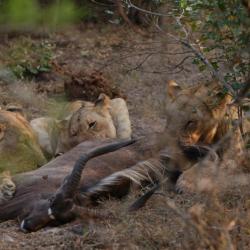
(92, 124)
(190, 125)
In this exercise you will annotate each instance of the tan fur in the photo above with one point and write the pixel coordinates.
(72, 107)
(19, 150)
(46, 129)
(120, 116)
(18, 144)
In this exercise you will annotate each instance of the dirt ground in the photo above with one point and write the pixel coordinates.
(140, 67)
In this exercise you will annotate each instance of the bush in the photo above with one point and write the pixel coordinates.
(27, 58)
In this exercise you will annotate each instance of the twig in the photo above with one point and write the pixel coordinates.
(161, 72)
(182, 61)
(140, 64)
(110, 62)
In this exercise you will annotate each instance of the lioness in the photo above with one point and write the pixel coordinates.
(83, 121)
(19, 149)
(88, 122)
(201, 115)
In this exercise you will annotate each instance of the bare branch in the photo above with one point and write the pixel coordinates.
(141, 63)
(182, 61)
(146, 53)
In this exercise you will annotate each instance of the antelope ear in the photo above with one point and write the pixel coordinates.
(2, 131)
(103, 101)
(173, 89)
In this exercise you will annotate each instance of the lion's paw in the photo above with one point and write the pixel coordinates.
(197, 180)
(184, 185)
(7, 187)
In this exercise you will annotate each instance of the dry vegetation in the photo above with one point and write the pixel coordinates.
(213, 218)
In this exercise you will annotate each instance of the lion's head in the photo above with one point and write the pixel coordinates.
(19, 149)
(196, 115)
(88, 122)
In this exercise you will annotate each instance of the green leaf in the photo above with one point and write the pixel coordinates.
(236, 86)
(202, 67)
(215, 65)
(183, 4)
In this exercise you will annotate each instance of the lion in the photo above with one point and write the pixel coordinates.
(201, 115)
(88, 122)
(82, 121)
(47, 129)
(196, 113)
(19, 149)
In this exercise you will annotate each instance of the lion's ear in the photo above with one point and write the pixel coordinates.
(103, 101)
(2, 131)
(173, 89)
(62, 123)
